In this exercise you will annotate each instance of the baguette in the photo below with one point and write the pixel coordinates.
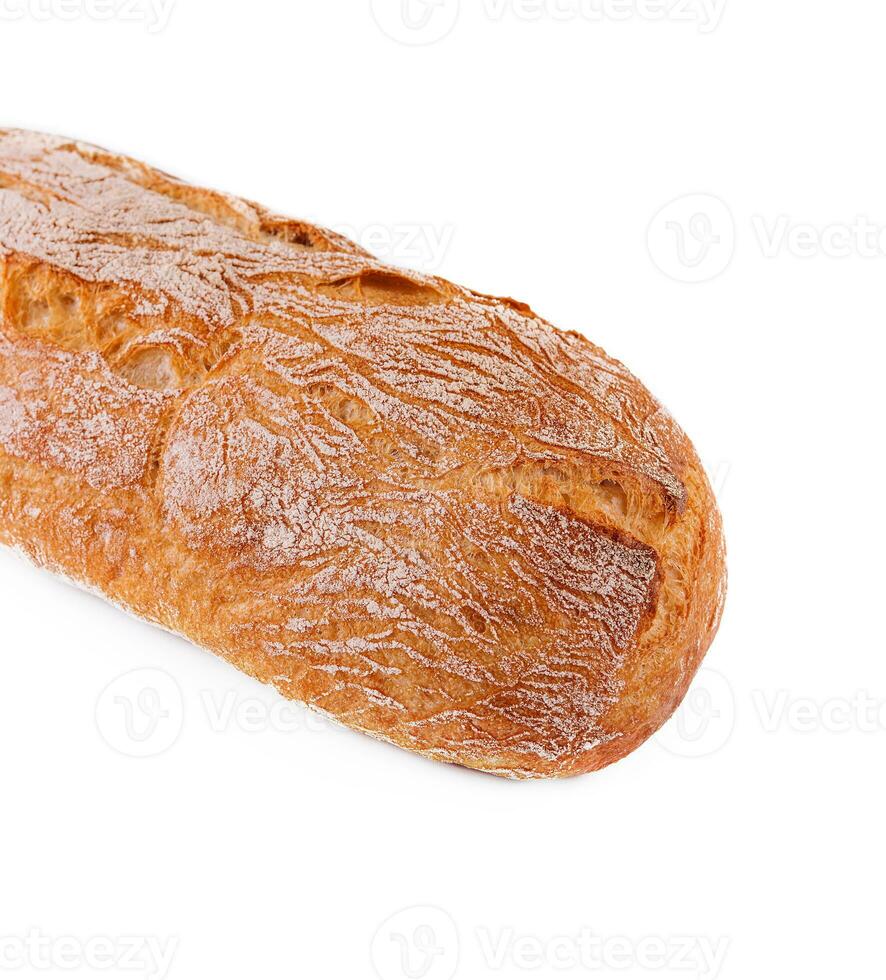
(422, 511)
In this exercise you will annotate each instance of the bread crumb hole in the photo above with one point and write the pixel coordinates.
(36, 314)
(292, 233)
(151, 368)
(614, 497)
(110, 328)
(219, 348)
(45, 304)
(342, 406)
(384, 288)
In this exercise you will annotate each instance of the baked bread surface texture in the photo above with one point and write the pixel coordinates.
(422, 511)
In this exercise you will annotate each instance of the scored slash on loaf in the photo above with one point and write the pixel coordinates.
(420, 510)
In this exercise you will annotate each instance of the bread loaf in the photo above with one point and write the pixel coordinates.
(422, 511)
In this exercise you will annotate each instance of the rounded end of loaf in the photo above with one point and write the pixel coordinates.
(669, 651)
(664, 656)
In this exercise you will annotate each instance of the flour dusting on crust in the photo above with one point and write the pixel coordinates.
(420, 510)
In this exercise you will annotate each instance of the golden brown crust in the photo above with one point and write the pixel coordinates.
(422, 510)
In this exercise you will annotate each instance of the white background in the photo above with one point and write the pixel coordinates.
(529, 156)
